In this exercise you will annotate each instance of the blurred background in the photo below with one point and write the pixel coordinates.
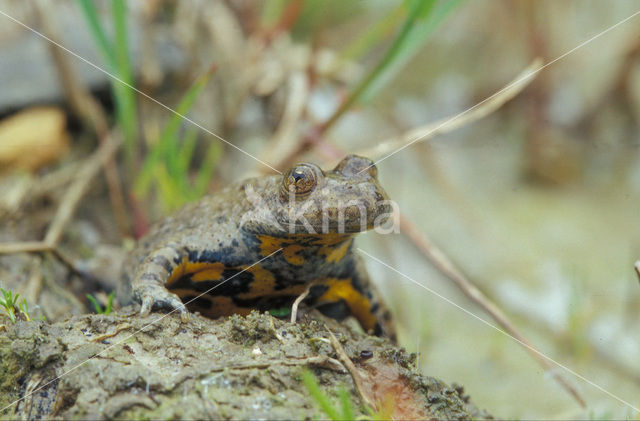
(537, 203)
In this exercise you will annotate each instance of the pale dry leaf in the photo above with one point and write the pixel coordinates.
(33, 138)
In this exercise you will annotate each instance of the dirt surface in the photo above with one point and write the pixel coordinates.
(97, 366)
(76, 365)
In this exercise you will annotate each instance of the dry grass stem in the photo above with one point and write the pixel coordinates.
(353, 370)
(87, 108)
(296, 303)
(68, 205)
(450, 124)
(447, 268)
(79, 187)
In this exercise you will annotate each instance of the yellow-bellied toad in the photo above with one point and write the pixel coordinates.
(259, 243)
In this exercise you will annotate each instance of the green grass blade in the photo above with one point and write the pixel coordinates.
(374, 35)
(271, 12)
(125, 96)
(424, 17)
(89, 9)
(168, 136)
(24, 308)
(109, 307)
(203, 178)
(170, 193)
(185, 154)
(8, 302)
(121, 44)
(8, 297)
(184, 157)
(96, 305)
(346, 403)
(319, 396)
(117, 57)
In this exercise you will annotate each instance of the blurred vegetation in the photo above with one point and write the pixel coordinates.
(10, 303)
(421, 18)
(343, 412)
(343, 409)
(116, 56)
(168, 164)
(547, 184)
(98, 308)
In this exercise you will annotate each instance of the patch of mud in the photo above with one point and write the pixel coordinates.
(238, 367)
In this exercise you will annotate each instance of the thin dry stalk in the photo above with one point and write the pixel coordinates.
(79, 187)
(315, 135)
(68, 203)
(296, 303)
(600, 352)
(87, 108)
(447, 268)
(285, 136)
(353, 370)
(24, 247)
(450, 124)
(435, 255)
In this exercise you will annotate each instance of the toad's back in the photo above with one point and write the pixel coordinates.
(260, 243)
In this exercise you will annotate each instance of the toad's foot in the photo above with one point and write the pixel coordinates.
(156, 296)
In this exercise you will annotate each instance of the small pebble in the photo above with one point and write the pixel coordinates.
(366, 354)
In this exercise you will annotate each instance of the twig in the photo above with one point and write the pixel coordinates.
(450, 124)
(351, 367)
(276, 334)
(90, 281)
(436, 256)
(68, 203)
(37, 187)
(33, 287)
(74, 193)
(600, 353)
(288, 18)
(88, 109)
(637, 267)
(117, 330)
(421, 134)
(285, 136)
(296, 303)
(24, 247)
(317, 361)
(312, 138)
(33, 386)
(619, 91)
(42, 247)
(447, 268)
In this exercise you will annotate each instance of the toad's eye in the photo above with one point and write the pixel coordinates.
(300, 180)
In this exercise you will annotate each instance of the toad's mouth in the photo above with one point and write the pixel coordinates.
(347, 220)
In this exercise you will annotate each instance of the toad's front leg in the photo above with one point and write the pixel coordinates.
(148, 285)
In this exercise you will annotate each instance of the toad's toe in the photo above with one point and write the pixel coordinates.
(158, 297)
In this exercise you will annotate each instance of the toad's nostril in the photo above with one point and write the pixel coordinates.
(373, 170)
